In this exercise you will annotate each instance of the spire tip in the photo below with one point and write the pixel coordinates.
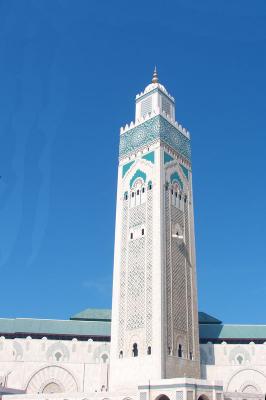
(155, 76)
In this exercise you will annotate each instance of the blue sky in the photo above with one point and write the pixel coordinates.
(69, 73)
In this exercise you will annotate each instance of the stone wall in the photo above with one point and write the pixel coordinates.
(42, 365)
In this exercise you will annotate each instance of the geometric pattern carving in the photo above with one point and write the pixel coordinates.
(189, 280)
(149, 132)
(178, 273)
(136, 283)
(149, 252)
(168, 271)
(135, 300)
(137, 216)
(179, 276)
(123, 272)
(60, 377)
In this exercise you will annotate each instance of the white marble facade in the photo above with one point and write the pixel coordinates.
(241, 367)
(42, 365)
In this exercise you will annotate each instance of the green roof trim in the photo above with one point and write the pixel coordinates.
(216, 331)
(93, 314)
(47, 327)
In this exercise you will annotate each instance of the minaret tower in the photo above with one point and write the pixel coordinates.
(154, 312)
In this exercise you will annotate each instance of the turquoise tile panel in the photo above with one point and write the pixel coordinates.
(185, 170)
(167, 158)
(126, 167)
(149, 157)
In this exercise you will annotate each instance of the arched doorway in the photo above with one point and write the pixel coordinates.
(52, 379)
(203, 397)
(162, 397)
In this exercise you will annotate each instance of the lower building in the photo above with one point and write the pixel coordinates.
(49, 358)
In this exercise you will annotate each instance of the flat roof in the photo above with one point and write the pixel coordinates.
(96, 323)
(230, 331)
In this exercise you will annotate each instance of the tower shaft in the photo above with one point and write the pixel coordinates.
(154, 311)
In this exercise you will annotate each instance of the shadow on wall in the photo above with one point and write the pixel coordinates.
(207, 357)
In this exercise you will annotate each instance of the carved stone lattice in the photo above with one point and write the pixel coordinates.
(136, 284)
(179, 306)
(149, 269)
(122, 304)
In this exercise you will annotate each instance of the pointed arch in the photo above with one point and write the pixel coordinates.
(138, 174)
(176, 178)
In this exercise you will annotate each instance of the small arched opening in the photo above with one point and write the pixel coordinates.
(104, 358)
(135, 351)
(58, 356)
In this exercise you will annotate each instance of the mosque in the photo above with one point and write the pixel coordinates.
(154, 344)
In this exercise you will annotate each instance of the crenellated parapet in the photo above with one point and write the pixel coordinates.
(150, 115)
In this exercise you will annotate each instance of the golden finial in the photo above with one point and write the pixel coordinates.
(155, 76)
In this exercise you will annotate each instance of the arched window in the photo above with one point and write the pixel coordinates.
(135, 351)
(179, 351)
(121, 354)
(139, 196)
(58, 356)
(239, 359)
(149, 350)
(104, 358)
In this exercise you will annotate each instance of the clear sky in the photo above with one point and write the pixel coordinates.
(69, 73)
